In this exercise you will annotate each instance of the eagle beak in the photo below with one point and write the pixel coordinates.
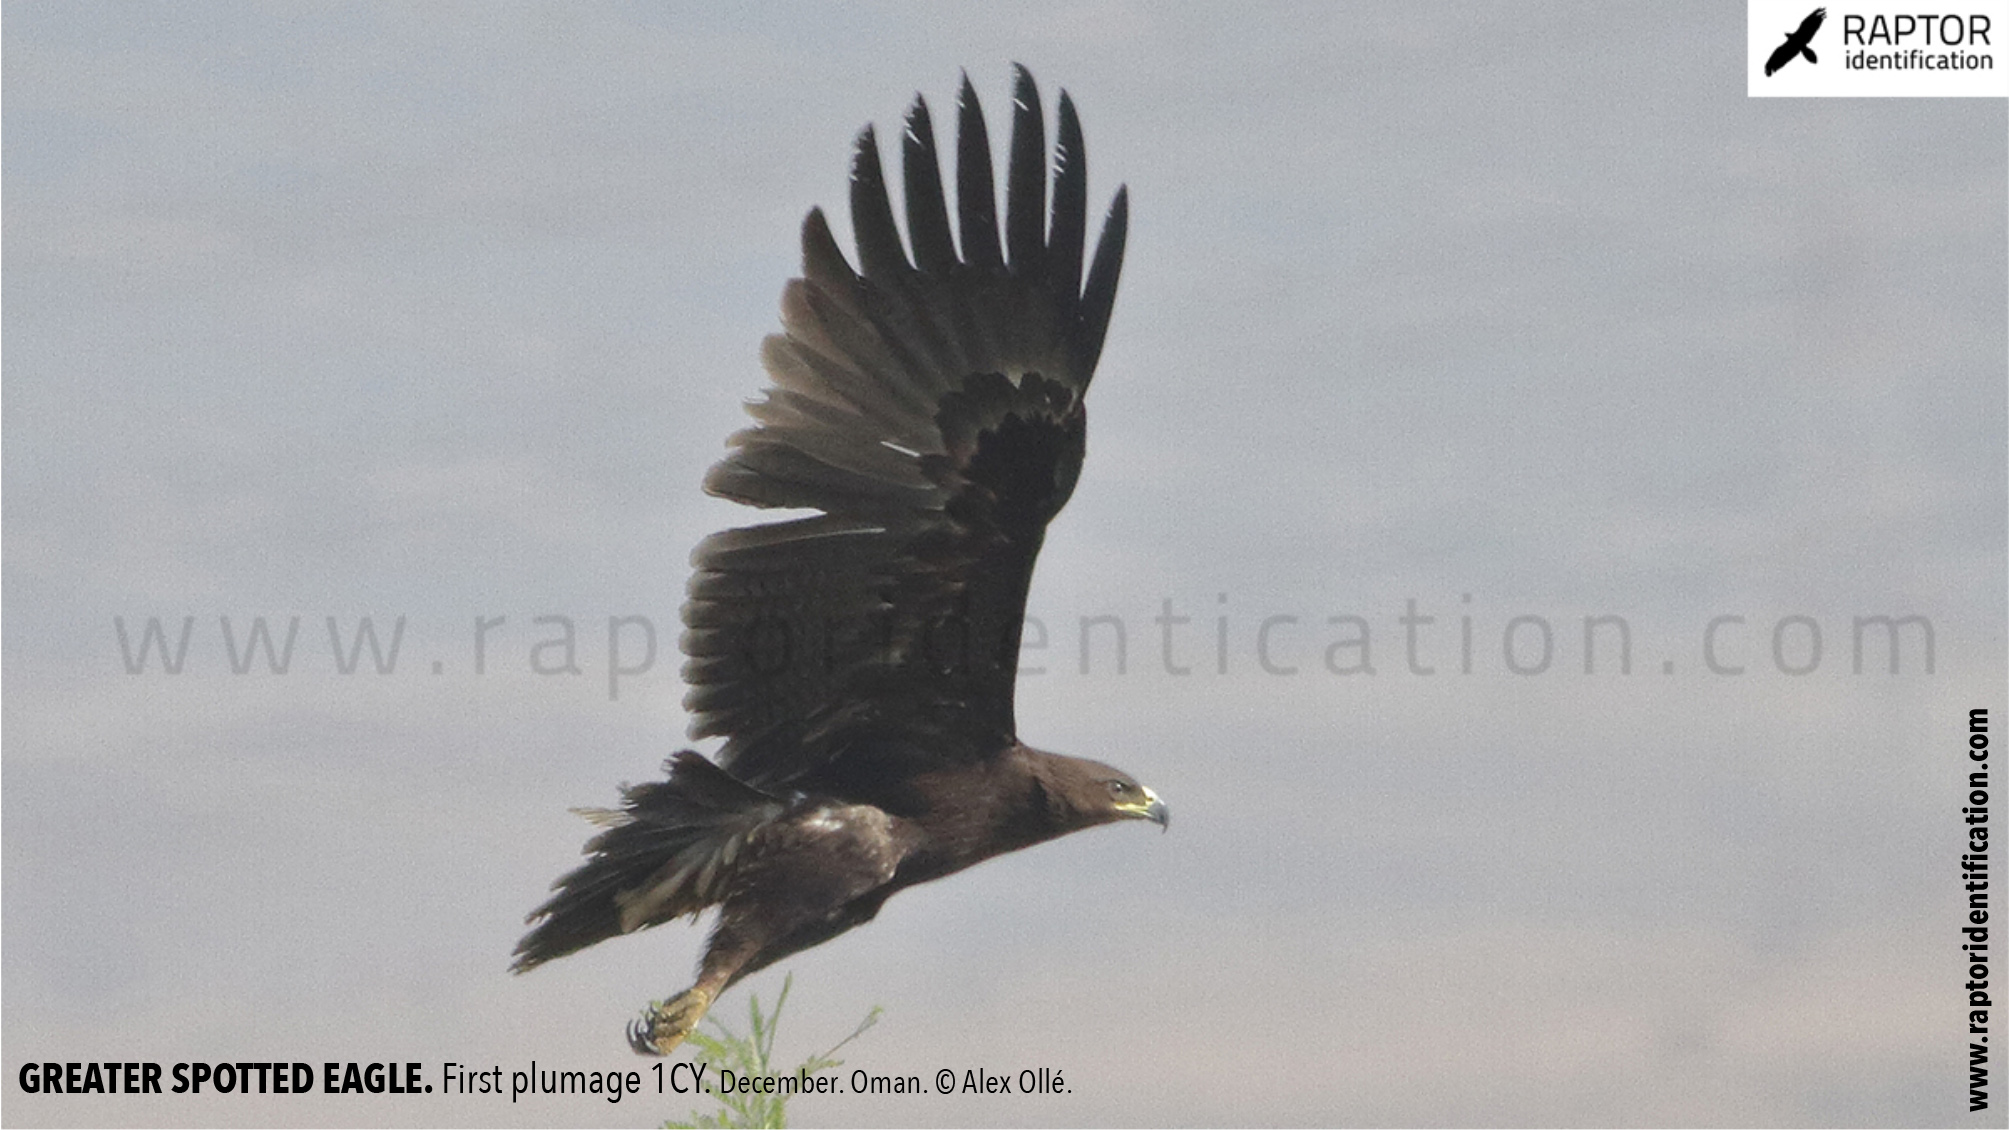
(1153, 809)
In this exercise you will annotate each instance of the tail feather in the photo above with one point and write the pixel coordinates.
(666, 852)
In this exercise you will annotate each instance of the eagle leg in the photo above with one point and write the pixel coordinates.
(665, 1024)
(807, 877)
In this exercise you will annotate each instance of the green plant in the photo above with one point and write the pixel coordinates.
(751, 1055)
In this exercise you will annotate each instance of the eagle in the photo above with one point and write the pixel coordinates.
(859, 661)
(1797, 42)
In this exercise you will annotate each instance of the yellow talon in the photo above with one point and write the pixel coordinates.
(664, 1025)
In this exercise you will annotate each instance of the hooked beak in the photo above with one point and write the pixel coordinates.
(1152, 809)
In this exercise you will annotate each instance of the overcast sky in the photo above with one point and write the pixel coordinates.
(1524, 315)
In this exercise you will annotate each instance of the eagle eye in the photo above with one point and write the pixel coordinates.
(1118, 788)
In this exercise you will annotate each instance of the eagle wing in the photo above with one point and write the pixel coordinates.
(930, 408)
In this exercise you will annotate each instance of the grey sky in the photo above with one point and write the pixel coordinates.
(442, 312)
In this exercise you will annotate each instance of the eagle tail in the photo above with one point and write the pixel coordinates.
(1808, 53)
(667, 851)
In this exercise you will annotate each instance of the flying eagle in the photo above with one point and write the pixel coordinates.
(1797, 42)
(860, 662)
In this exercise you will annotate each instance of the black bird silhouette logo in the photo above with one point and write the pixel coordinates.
(1797, 42)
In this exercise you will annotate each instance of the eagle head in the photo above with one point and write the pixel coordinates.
(1128, 800)
(1078, 793)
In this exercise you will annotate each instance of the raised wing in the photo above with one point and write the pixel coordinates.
(931, 409)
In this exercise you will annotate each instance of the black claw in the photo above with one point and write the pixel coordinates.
(642, 1035)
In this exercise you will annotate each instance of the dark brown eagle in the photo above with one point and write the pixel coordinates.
(1797, 42)
(860, 662)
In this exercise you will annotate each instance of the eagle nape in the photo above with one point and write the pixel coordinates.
(860, 662)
